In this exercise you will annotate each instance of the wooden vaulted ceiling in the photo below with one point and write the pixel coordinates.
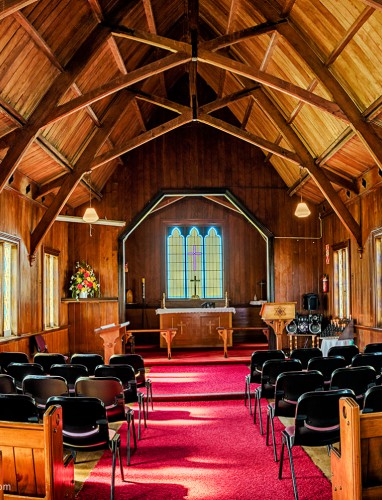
(80, 82)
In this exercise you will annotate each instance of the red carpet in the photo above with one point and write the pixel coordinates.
(199, 379)
(240, 353)
(205, 451)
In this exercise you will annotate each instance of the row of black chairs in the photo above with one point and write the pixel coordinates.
(85, 423)
(301, 392)
(89, 360)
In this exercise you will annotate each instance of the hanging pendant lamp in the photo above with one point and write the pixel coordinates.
(90, 214)
(302, 209)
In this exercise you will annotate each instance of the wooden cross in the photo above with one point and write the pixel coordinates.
(210, 325)
(195, 296)
(181, 325)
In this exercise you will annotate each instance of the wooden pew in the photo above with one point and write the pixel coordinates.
(356, 468)
(33, 467)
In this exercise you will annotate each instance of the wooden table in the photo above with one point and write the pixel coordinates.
(226, 334)
(315, 339)
(167, 334)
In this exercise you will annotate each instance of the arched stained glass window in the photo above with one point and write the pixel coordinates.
(194, 262)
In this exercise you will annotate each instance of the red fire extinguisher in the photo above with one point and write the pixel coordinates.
(325, 283)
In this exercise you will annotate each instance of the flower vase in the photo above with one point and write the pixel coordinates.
(83, 294)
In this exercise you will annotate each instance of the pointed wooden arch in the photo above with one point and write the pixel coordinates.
(218, 195)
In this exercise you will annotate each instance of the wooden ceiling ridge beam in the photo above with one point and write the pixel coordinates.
(21, 139)
(248, 137)
(82, 167)
(238, 36)
(158, 41)
(9, 7)
(299, 43)
(229, 99)
(307, 161)
(141, 139)
(117, 84)
(271, 81)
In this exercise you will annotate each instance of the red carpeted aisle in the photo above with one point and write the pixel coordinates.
(207, 450)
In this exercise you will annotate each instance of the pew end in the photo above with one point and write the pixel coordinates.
(356, 466)
(33, 463)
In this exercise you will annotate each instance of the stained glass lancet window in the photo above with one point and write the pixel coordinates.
(194, 262)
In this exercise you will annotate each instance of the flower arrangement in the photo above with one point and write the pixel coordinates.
(83, 281)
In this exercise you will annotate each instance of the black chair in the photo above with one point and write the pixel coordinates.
(304, 354)
(47, 359)
(18, 408)
(7, 384)
(376, 347)
(70, 372)
(357, 378)
(373, 359)
(138, 363)
(373, 400)
(271, 370)
(347, 351)
(85, 428)
(110, 391)
(316, 423)
(20, 370)
(42, 387)
(327, 366)
(258, 358)
(12, 357)
(289, 387)
(90, 360)
(126, 374)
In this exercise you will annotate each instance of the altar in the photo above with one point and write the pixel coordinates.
(196, 325)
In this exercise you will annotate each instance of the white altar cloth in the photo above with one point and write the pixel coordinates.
(190, 310)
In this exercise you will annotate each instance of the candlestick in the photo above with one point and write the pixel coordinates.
(226, 299)
(143, 289)
(164, 301)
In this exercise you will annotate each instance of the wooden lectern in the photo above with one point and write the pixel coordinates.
(278, 315)
(112, 336)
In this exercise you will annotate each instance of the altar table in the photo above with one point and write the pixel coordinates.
(196, 325)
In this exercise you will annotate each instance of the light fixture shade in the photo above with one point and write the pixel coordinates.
(90, 215)
(302, 210)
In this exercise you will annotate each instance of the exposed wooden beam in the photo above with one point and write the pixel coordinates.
(161, 42)
(131, 144)
(97, 10)
(229, 99)
(117, 56)
(12, 114)
(89, 110)
(117, 84)
(248, 137)
(162, 102)
(288, 6)
(239, 36)
(299, 43)
(147, 5)
(295, 188)
(308, 162)
(348, 184)
(232, 15)
(376, 4)
(338, 144)
(38, 40)
(138, 114)
(21, 139)
(356, 26)
(8, 7)
(82, 166)
(300, 105)
(269, 52)
(247, 114)
(272, 82)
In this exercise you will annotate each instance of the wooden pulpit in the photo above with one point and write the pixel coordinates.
(278, 315)
(112, 336)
